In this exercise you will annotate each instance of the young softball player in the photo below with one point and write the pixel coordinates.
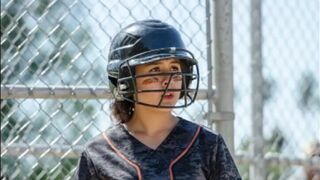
(149, 70)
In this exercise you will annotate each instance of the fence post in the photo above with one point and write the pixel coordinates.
(223, 51)
(257, 169)
(210, 61)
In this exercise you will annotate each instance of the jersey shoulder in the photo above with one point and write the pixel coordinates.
(99, 142)
(207, 138)
(209, 135)
(206, 133)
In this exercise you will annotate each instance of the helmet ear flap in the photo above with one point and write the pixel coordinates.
(114, 89)
(124, 87)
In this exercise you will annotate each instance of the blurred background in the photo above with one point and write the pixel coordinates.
(54, 89)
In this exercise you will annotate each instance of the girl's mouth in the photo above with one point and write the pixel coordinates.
(168, 96)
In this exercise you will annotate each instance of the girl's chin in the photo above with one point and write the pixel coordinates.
(164, 103)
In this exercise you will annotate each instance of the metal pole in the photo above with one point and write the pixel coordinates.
(209, 22)
(257, 169)
(224, 116)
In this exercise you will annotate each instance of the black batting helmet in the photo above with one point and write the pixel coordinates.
(144, 42)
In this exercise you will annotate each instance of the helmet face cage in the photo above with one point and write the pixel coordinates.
(126, 83)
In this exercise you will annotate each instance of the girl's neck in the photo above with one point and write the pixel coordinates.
(151, 121)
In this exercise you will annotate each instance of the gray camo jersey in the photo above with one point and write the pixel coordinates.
(207, 157)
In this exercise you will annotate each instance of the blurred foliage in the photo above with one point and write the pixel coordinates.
(18, 37)
(269, 86)
(276, 142)
(308, 89)
(275, 145)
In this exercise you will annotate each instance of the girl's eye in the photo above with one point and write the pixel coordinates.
(150, 80)
(155, 69)
(175, 68)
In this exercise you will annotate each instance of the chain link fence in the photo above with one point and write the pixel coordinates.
(284, 37)
(58, 49)
(54, 94)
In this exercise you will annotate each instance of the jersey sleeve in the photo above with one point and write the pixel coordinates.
(85, 169)
(223, 164)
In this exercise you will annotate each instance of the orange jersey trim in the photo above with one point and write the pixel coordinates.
(136, 166)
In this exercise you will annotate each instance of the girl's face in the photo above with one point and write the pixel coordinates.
(159, 82)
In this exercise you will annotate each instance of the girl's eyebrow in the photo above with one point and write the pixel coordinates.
(154, 63)
(158, 62)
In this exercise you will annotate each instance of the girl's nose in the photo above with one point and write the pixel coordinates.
(165, 81)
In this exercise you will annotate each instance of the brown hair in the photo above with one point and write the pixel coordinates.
(122, 110)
